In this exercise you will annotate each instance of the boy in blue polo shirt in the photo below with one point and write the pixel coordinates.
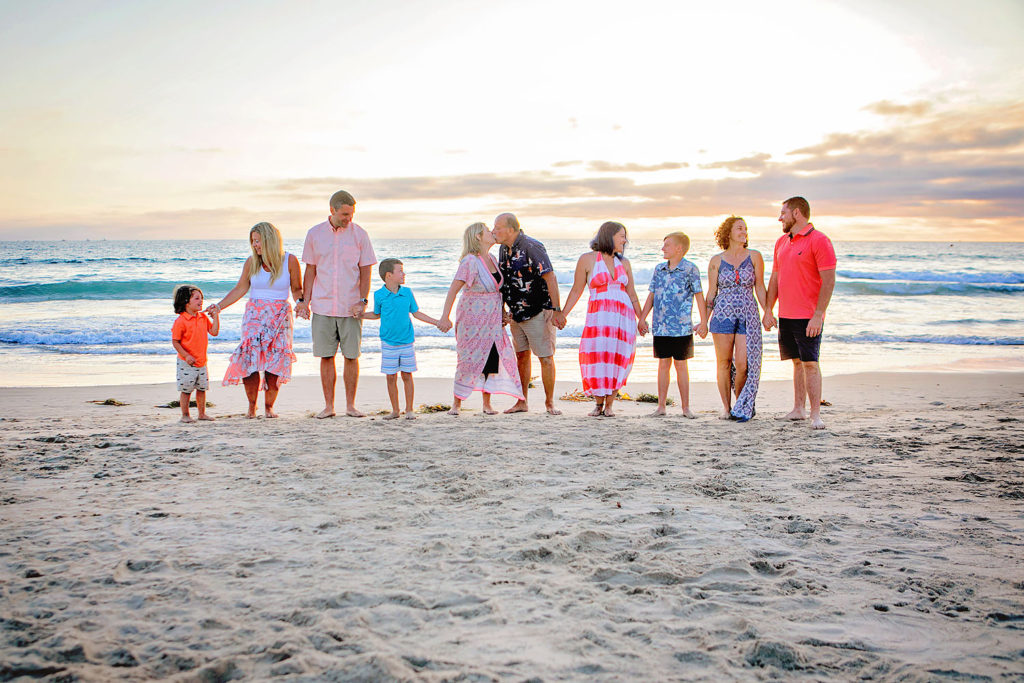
(392, 305)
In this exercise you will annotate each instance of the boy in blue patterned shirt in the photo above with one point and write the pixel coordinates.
(674, 286)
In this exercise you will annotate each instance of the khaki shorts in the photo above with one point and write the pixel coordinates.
(329, 333)
(535, 334)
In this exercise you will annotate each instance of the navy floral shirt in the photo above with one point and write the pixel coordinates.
(523, 265)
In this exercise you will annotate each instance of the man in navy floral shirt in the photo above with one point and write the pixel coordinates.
(530, 290)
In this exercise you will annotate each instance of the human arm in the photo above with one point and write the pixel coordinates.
(308, 278)
(631, 288)
(419, 315)
(551, 280)
(641, 324)
(828, 283)
(364, 290)
(236, 293)
(759, 291)
(445, 323)
(295, 277)
(579, 281)
(369, 316)
(702, 308)
(215, 324)
(713, 265)
(771, 297)
(189, 358)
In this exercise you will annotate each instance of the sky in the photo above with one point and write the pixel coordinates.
(896, 119)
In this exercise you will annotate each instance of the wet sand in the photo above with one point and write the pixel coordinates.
(524, 547)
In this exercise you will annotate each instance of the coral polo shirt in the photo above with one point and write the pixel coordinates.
(799, 260)
(192, 331)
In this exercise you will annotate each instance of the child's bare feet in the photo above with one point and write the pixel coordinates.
(269, 413)
(186, 419)
(687, 413)
(206, 418)
(660, 412)
(392, 416)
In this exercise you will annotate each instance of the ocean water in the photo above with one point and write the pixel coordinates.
(99, 312)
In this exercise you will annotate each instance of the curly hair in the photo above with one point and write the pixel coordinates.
(182, 294)
(725, 229)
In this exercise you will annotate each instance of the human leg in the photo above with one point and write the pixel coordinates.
(488, 409)
(392, 382)
(547, 376)
(664, 377)
(270, 394)
(183, 400)
(524, 364)
(739, 361)
(410, 390)
(201, 405)
(799, 392)
(351, 379)
(723, 370)
(812, 383)
(683, 382)
(608, 401)
(328, 378)
(251, 383)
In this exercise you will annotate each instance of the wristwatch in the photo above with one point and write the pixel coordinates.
(365, 301)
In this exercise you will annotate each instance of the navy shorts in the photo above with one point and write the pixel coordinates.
(794, 342)
(677, 348)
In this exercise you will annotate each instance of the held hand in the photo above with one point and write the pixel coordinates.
(505, 318)
(702, 330)
(815, 324)
(642, 327)
(444, 324)
(212, 309)
(768, 321)
(358, 310)
(302, 309)
(559, 320)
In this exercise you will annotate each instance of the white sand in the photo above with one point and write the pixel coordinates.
(516, 547)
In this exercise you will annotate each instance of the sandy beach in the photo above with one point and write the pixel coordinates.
(524, 547)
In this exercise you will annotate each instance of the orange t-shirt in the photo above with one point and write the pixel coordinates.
(193, 333)
(799, 259)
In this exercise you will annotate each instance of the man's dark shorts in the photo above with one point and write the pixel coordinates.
(677, 348)
(794, 342)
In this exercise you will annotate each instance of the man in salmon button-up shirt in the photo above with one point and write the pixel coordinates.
(338, 257)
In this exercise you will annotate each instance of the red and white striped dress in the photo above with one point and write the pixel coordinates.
(608, 344)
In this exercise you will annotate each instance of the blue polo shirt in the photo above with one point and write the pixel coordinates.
(394, 309)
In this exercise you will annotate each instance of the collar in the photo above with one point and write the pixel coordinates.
(191, 315)
(333, 228)
(519, 240)
(384, 291)
(803, 233)
(664, 266)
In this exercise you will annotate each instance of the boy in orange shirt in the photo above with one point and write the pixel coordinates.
(189, 337)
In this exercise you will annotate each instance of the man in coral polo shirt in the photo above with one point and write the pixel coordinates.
(803, 277)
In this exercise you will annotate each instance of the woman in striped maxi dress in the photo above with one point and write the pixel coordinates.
(608, 342)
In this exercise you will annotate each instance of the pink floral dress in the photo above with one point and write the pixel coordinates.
(478, 328)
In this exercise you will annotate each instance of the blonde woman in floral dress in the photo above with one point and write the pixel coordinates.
(486, 361)
(268, 275)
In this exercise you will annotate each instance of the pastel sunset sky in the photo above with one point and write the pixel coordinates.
(897, 119)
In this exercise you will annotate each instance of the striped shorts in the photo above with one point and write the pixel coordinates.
(401, 358)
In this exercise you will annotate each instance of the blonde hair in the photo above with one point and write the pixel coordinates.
(680, 237)
(273, 252)
(471, 239)
(724, 232)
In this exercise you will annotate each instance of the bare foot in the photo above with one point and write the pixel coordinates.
(596, 412)
(519, 407)
(553, 411)
(325, 413)
(251, 413)
(490, 411)
(269, 414)
(186, 419)
(392, 416)
(817, 423)
(205, 418)
(688, 414)
(793, 415)
(352, 412)
(725, 415)
(660, 412)
(453, 411)
(608, 413)
(409, 415)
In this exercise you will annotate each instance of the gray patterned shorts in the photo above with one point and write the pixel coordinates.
(192, 378)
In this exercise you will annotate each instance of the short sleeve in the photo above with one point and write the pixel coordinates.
(824, 253)
(206, 321)
(695, 285)
(466, 272)
(177, 329)
(377, 302)
(539, 255)
(413, 306)
(366, 255)
(308, 252)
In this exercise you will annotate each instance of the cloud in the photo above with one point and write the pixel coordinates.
(752, 164)
(887, 108)
(610, 167)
